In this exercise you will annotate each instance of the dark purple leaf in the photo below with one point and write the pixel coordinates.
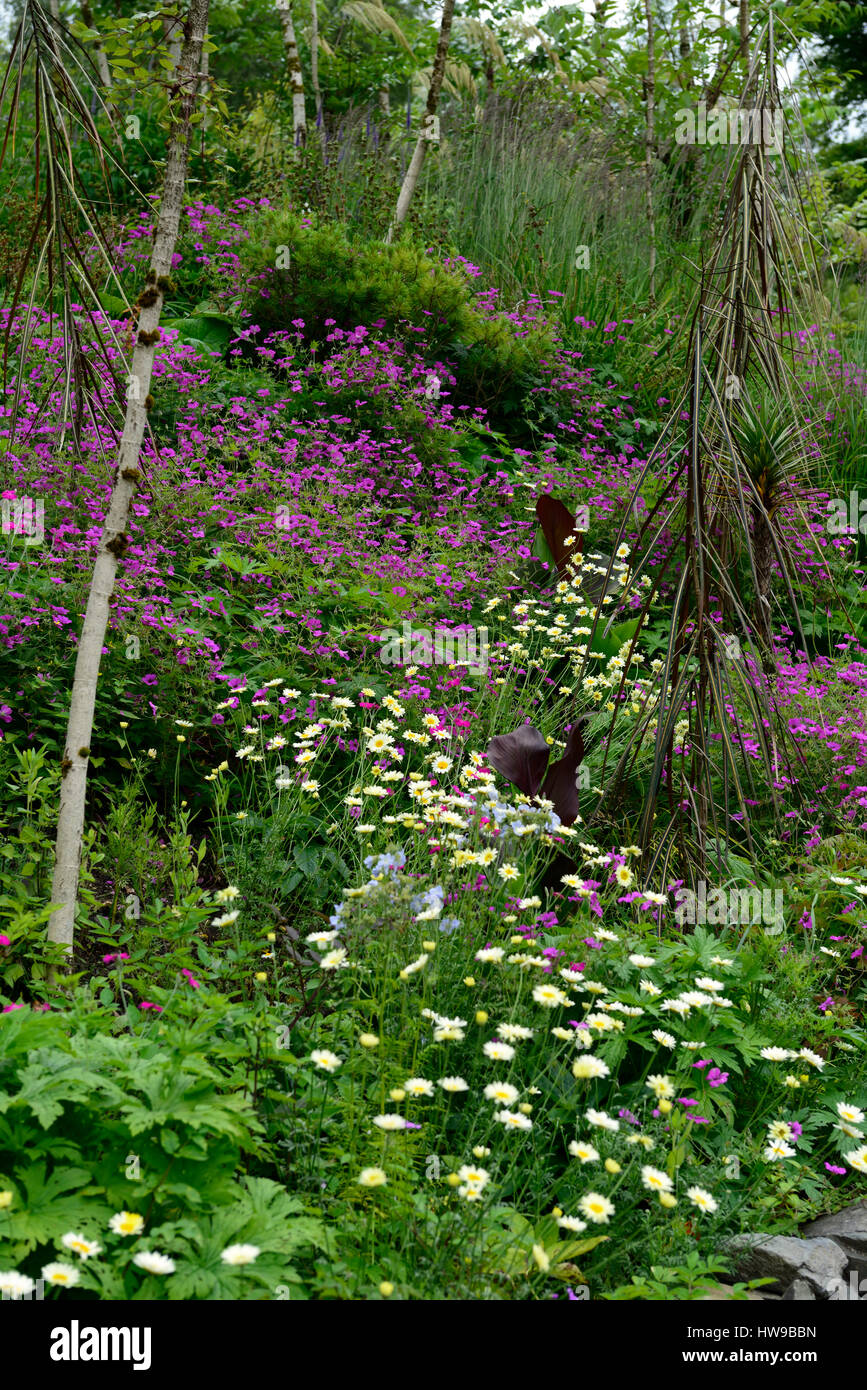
(559, 784)
(521, 757)
(557, 523)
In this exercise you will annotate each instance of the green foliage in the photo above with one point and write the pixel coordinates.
(692, 1281)
(243, 1000)
(101, 1113)
(316, 274)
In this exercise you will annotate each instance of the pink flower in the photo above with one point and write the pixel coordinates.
(121, 955)
(833, 1169)
(4, 940)
(146, 1004)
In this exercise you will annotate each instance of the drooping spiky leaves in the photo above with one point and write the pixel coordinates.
(720, 744)
(60, 271)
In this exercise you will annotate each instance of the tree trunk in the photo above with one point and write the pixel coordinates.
(744, 28)
(204, 85)
(649, 141)
(684, 48)
(112, 542)
(296, 76)
(314, 73)
(98, 51)
(172, 34)
(436, 82)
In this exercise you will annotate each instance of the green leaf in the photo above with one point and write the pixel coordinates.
(114, 307)
(571, 1249)
(542, 550)
(210, 332)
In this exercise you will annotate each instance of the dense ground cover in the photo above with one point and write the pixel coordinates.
(354, 1016)
(473, 895)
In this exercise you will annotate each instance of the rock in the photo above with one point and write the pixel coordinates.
(799, 1292)
(848, 1229)
(818, 1262)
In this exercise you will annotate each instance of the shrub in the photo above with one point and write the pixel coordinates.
(331, 278)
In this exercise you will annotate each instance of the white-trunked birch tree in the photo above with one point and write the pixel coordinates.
(296, 76)
(112, 542)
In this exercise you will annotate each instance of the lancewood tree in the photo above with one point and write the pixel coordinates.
(113, 540)
(429, 122)
(457, 77)
(734, 455)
